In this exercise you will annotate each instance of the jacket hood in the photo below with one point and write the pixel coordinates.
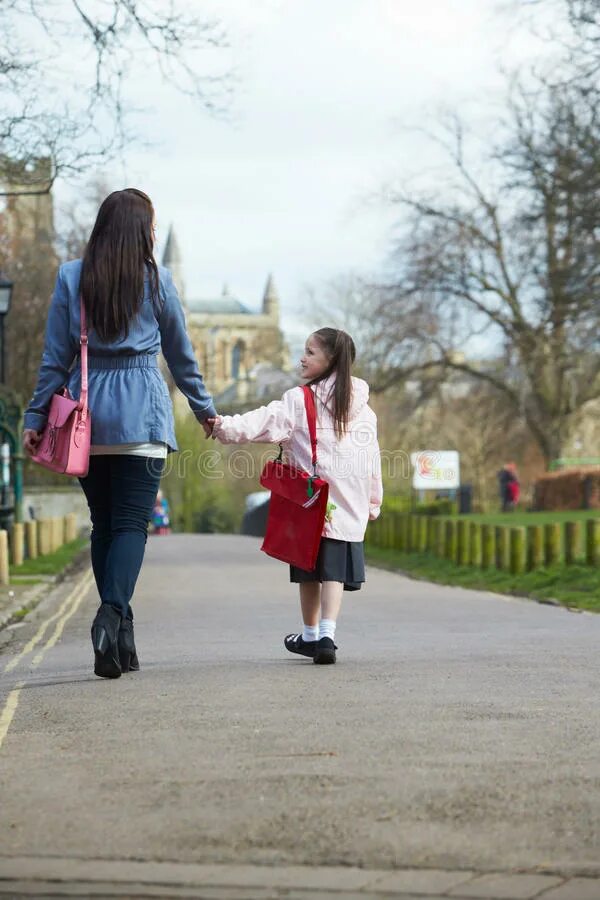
(360, 395)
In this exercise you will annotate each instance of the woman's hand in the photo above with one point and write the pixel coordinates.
(31, 440)
(212, 423)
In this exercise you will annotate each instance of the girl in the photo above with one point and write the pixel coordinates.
(348, 459)
(132, 311)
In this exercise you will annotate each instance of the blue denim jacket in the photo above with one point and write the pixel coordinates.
(128, 397)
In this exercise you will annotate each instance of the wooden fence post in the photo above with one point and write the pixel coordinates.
(400, 531)
(463, 550)
(44, 536)
(502, 547)
(4, 576)
(551, 543)
(423, 526)
(535, 547)
(414, 533)
(71, 527)
(439, 537)
(58, 536)
(488, 547)
(406, 532)
(430, 534)
(450, 540)
(17, 544)
(31, 538)
(476, 541)
(388, 532)
(518, 557)
(592, 542)
(403, 533)
(571, 542)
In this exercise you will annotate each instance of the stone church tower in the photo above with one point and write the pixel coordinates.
(242, 354)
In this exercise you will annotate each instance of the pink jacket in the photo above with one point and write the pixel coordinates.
(351, 466)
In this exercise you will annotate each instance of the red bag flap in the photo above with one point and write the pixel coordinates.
(292, 483)
(60, 410)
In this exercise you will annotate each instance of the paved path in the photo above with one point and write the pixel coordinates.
(452, 751)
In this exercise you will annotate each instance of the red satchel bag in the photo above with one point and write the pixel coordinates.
(298, 504)
(65, 443)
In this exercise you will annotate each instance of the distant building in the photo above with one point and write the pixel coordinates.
(242, 354)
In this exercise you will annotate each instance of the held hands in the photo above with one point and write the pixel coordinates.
(210, 424)
(31, 440)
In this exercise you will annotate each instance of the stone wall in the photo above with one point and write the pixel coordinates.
(56, 502)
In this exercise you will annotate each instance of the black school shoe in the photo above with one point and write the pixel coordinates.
(295, 643)
(325, 651)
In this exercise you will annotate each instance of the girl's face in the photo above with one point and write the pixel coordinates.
(314, 361)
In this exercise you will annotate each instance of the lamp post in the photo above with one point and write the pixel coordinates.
(6, 289)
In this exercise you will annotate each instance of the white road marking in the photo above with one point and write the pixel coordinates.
(8, 712)
(82, 584)
(67, 609)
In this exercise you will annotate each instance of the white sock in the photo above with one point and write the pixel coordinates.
(327, 628)
(310, 632)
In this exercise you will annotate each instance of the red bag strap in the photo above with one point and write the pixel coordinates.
(311, 415)
(83, 340)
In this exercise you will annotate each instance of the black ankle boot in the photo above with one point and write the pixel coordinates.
(127, 652)
(105, 635)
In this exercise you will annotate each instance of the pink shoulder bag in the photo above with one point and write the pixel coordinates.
(65, 443)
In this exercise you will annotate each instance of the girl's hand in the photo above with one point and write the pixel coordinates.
(210, 425)
(31, 440)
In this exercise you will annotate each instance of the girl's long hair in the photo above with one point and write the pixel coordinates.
(341, 351)
(119, 254)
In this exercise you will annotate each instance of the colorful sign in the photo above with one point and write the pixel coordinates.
(435, 469)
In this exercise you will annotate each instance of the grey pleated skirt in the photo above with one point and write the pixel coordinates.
(337, 561)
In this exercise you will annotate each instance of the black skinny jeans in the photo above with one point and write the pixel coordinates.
(120, 492)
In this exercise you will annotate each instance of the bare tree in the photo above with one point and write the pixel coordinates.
(509, 261)
(27, 256)
(75, 219)
(575, 41)
(350, 302)
(78, 118)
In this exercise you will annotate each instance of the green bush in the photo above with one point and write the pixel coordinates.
(444, 507)
(396, 503)
(218, 513)
(204, 496)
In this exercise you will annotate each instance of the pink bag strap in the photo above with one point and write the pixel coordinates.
(83, 340)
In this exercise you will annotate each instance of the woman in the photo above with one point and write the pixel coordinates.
(132, 311)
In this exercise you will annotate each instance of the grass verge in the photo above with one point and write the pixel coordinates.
(52, 563)
(574, 586)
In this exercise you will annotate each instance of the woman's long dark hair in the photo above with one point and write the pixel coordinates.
(341, 351)
(119, 253)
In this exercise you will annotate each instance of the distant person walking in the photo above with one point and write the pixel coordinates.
(348, 459)
(513, 487)
(132, 311)
(161, 522)
(508, 486)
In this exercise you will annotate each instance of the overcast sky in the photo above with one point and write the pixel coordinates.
(324, 88)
